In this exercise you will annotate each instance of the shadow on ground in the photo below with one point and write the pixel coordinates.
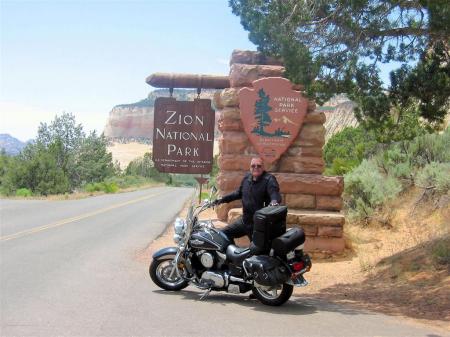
(409, 283)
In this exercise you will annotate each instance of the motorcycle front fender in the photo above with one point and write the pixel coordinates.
(165, 252)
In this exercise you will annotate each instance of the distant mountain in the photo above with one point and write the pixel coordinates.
(11, 145)
(134, 122)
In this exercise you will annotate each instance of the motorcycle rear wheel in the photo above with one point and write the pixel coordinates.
(275, 296)
(160, 272)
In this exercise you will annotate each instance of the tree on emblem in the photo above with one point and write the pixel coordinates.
(262, 109)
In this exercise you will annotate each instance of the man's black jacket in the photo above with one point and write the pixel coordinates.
(255, 194)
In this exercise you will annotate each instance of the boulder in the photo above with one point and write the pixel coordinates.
(253, 57)
(243, 75)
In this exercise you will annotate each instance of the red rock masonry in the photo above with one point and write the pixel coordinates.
(314, 200)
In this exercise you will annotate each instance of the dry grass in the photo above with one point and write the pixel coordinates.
(124, 153)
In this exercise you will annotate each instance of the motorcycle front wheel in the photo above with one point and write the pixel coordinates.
(164, 275)
(274, 296)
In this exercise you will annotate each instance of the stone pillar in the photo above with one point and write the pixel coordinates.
(314, 201)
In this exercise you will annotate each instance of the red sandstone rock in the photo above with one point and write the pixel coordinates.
(312, 105)
(315, 117)
(300, 200)
(229, 162)
(229, 125)
(334, 231)
(311, 135)
(242, 75)
(291, 183)
(233, 142)
(230, 113)
(315, 217)
(217, 101)
(301, 164)
(304, 151)
(252, 57)
(316, 243)
(229, 97)
(310, 230)
(329, 202)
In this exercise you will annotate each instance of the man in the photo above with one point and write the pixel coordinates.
(258, 189)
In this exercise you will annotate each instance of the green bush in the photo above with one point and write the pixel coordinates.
(110, 187)
(346, 149)
(440, 251)
(366, 189)
(435, 175)
(23, 192)
(107, 187)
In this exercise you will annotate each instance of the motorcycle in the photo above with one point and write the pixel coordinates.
(206, 258)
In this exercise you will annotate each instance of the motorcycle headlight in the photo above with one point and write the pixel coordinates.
(179, 226)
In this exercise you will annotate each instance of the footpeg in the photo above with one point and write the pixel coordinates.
(300, 281)
(205, 294)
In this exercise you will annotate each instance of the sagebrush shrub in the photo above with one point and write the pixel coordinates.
(367, 189)
(434, 175)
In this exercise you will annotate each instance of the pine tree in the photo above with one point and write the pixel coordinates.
(262, 109)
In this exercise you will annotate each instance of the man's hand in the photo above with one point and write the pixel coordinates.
(273, 203)
(217, 202)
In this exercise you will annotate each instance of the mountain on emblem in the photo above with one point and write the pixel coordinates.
(272, 114)
(262, 109)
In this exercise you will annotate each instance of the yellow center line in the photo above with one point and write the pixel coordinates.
(76, 218)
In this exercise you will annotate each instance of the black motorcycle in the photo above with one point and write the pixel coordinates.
(205, 257)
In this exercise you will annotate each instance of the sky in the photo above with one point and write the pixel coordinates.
(85, 57)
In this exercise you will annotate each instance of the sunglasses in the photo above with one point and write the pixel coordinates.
(256, 166)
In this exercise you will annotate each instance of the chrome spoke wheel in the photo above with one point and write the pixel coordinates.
(165, 274)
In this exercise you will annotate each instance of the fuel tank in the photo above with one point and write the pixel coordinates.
(209, 240)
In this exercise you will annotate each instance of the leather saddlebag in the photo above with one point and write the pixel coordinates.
(268, 223)
(287, 242)
(266, 270)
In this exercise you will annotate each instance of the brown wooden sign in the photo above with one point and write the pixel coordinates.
(272, 114)
(183, 135)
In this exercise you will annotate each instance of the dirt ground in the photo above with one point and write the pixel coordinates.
(388, 266)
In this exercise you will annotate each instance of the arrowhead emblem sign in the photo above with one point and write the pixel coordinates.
(272, 114)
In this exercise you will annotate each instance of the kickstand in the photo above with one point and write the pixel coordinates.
(205, 294)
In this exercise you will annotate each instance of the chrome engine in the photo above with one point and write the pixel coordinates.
(211, 279)
(207, 260)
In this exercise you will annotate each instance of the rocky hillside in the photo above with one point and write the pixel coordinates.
(134, 122)
(339, 115)
(10, 145)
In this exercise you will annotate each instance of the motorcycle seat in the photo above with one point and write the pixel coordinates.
(237, 254)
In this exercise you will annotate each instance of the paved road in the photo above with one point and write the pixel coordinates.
(69, 268)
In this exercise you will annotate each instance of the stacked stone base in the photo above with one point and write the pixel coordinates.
(323, 229)
(314, 201)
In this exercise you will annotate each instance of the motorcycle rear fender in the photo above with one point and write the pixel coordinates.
(165, 252)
